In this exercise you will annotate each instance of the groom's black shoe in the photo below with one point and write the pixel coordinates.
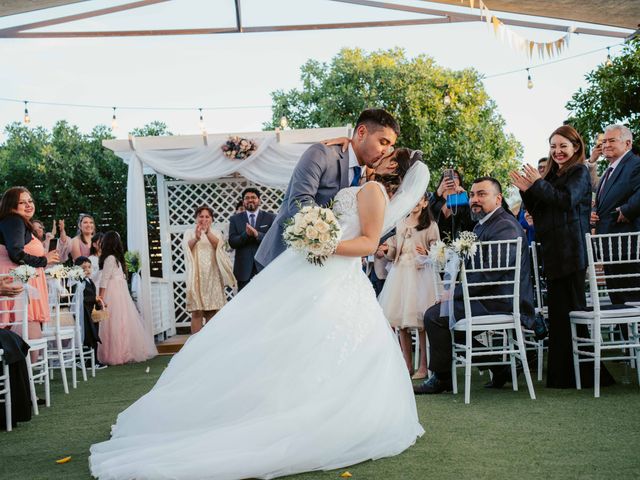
(433, 385)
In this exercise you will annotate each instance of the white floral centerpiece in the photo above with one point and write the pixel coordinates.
(238, 148)
(24, 273)
(465, 246)
(57, 271)
(314, 231)
(75, 273)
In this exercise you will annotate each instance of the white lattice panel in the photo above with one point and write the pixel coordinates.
(181, 199)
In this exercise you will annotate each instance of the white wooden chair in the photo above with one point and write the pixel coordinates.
(607, 250)
(530, 339)
(5, 390)
(15, 310)
(61, 332)
(501, 261)
(83, 353)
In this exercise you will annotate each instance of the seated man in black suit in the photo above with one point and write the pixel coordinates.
(494, 223)
(246, 231)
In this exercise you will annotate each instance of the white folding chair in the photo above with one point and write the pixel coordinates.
(607, 250)
(500, 262)
(530, 339)
(61, 332)
(14, 311)
(5, 390)
(76, 307)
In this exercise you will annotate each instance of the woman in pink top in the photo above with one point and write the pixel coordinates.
(81, 243)
(18, 245)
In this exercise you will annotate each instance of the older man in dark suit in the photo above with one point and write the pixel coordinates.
(494, 223)
(246, 231)
(618, 203)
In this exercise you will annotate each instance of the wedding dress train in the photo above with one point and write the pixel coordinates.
(299, 372)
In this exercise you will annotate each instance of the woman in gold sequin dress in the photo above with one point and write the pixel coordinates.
(208, 269)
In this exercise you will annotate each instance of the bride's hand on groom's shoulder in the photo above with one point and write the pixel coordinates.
(343, 141)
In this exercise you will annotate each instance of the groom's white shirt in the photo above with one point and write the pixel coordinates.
(353, 162)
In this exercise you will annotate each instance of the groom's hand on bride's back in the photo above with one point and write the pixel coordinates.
(343, 141)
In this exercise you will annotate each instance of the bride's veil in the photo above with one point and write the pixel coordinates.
(413, 187)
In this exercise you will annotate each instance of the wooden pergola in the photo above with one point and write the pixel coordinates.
(603, 14)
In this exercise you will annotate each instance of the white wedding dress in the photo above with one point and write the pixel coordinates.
(299, 372)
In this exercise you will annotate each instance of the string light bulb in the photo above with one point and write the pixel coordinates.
(529, 81)
(608, 62)
(201, 121)
(114, 121)
(27, 118)
(284, 122)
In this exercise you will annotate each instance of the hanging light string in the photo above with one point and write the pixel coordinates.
(27, 118)
(551, 62)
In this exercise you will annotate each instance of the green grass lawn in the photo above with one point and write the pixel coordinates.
(501, 434)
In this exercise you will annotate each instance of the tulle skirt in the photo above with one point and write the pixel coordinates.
(299, 372)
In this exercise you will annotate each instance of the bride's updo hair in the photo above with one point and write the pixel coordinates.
(404, 158)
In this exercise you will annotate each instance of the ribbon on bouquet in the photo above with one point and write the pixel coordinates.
(451, 270)
(32, 292)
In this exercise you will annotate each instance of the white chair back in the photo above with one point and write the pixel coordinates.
(606, 250)
(14, 313)
(499, 264)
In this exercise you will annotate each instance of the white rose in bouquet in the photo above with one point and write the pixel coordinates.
(314, 231)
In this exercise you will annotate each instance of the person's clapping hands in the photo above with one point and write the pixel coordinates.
(252, 232)
(523, 180)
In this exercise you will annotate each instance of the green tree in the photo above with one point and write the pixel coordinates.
(468, 133)
(67, 172)
(153, 129)
(611, 96)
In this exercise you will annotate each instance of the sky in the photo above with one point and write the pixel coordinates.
(238, 72)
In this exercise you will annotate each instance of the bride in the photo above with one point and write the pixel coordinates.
(299, 372)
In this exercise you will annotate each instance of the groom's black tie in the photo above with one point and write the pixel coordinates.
(357, 173)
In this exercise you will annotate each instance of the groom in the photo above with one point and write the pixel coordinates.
(324, 170)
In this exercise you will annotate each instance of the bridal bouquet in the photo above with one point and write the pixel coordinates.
(314, 231)
(24, 273)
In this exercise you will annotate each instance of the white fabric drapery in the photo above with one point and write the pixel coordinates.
(271, 165)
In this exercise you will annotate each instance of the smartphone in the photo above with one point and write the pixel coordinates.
(448, 173)
(53, 244)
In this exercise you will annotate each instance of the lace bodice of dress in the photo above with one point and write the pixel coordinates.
(346, 209)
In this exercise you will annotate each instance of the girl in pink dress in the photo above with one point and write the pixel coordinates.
(18, 245)
(123, 336)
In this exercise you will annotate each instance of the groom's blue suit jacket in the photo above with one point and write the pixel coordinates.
(321, 172)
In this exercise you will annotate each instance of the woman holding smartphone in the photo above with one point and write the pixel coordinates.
(451, 217)
(560, 203)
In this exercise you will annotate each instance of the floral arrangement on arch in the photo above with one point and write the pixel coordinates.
(237, 148)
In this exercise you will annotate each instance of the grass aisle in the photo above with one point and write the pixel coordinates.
(502, 434)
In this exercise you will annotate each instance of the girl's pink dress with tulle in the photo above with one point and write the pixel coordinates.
(123, 336)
